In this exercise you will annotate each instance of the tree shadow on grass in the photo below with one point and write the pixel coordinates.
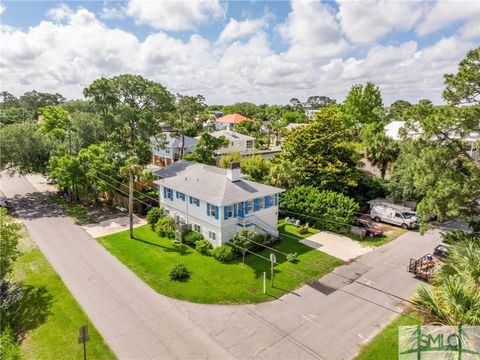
(181, 249)
(25, 307)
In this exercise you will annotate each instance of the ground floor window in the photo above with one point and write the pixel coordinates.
(212, 235)
(197, 228)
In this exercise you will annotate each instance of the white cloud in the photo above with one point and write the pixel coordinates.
(367, 21)
(112, 12)
(312, 31)
(239, 29)
(59, 13)
(69, 52)
(446, 12)
(2, 8)
(175, 15)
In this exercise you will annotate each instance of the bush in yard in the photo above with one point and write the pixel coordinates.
(326, 209)
(223, 253)
(292, 257)
(153, 215)
(165, 227)
(203, 247)
(192, 237)
(179, 272)
(244, 240)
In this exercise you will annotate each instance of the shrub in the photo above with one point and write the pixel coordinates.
(292, 257)
(303, 230)
(203, 247)
(179, 272)
(164, 227)
(329, 210)
(153, 215)
(223, 253)
(9, 349)
(192, 237)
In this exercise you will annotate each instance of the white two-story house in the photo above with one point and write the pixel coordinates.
(167, 150)
(236, 142)
(218, 202)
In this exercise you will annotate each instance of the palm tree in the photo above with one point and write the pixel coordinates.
(455, 296)
(283, 173)
(131, 169)
(381, 151)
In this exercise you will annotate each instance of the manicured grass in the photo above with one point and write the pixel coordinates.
(53, 314)
(385, 344)
(390, 233)
(151, 258)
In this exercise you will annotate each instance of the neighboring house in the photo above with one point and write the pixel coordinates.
(292, 126)
(236, 142)
(166, 151)
(472, 141)
(217, 202)
(229, 121)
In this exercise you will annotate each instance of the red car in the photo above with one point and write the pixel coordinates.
(372, 229)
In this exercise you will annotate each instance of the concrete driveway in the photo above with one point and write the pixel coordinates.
(336, 245)
(327, 319)
(112, 226)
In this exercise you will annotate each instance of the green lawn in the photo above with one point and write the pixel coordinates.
(385, 344)
(151, 257)
(390, 233)
(53, 316)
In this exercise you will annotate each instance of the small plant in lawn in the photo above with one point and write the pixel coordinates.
(153, 215)
(223, 253)
(302, 230)
(179, 272)
(203, 247)
(192, 237)
(164, 227)
(292, 257)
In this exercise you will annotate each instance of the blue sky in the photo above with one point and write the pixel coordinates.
(260, 51)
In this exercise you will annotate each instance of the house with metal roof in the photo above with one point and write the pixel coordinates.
(166, 149)
(217, 202)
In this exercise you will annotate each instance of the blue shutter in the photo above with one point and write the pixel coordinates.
(190, 199)
(276, 199)
(256, 204)
(234, 210)
(267, 202)
(176, 194)
(216, 212)
(171, 194)
(164, 193)
(225, 213)
(208, 209)
(245, 207)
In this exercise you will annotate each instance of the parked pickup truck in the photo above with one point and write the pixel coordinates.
(393, 214)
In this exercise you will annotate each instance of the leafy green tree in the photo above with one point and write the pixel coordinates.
(380, 150)
(322, 154)
(296, 105)
(32, 101)
(464, 86)
(247, 109)
(10, 234)
(188, 116)
(326, 209)
(96, 165)
(396, 111)
(67, 170)
(317, 102)
(205, 149)
(225, 159)
(254, 129)
(132, 107)
(283, 173)
(87, 129)
(256, 167)
(55, 121)
(24, 149)
(362, 105)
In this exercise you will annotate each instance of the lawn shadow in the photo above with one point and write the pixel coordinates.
(181, 249)
(26, 307)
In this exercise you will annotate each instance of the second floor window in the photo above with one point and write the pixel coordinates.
(249, 144)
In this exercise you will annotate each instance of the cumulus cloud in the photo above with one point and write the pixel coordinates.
(367, 21)
(67, 53)
(2, 8)
(113, 12)
(174, 15)
(239, 29)
(446, 12)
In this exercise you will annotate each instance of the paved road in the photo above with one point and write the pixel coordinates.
(327, 320)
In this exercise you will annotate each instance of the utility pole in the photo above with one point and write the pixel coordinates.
(130, 201)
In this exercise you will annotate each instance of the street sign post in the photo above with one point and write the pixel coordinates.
(83, 338)
(273, 260)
